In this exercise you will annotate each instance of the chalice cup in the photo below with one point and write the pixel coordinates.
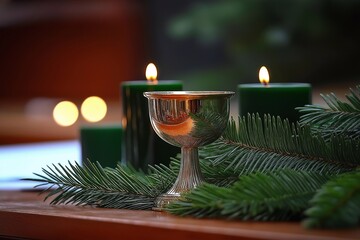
(187, 119)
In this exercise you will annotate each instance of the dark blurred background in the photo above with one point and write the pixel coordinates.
(51, 50)
(225, 42)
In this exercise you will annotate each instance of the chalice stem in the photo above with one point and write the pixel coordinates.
(189, 178)
(190, 175)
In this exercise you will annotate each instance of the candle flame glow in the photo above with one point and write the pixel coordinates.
(151, 73)
(264, 76)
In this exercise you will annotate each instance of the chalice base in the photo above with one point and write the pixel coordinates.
(164, 200)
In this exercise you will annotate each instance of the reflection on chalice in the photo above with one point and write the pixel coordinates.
(187, 119)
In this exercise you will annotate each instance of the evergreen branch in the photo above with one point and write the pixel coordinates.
(104, 187)
(339, 118)
(281, 195)
(219, 175)
(271, 144)
(337, 204)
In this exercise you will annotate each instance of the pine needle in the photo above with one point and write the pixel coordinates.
(104, 187)
(339, 118)
(337, 204)
(266, 145)
(281, 195)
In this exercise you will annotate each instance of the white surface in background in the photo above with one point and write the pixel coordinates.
(21, 161)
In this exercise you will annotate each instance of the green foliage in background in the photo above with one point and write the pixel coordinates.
(261, 169)
(260, 23)
(288, 36)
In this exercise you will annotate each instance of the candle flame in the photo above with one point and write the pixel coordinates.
(264, 76)
(151, 73)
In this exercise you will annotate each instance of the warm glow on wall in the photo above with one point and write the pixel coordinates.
(65, 113)
(93, 109)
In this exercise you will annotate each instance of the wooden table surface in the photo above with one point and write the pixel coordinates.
(25, 215)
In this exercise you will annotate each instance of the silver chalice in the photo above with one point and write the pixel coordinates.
(187, 119)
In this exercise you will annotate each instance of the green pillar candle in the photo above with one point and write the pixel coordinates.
(101, 143)
(142, 145)
(278, 99)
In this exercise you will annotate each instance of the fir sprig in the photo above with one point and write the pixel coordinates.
(265, 145)
(337, 204)
(339, 117)
(280, 195)
(91, 184)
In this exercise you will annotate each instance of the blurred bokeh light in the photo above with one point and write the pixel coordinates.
(65, 113)
(93, 109)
